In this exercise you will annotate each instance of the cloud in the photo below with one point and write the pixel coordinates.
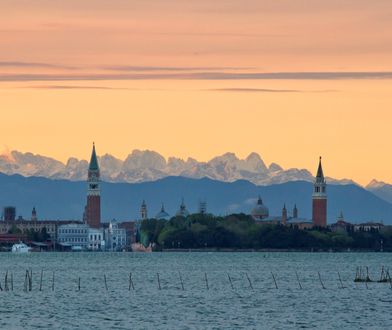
(267, 90)
(202, 76)
(75, 87)
(16, 64)
(129, 68)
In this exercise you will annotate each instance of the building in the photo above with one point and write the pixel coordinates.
(143, 211)
(115, 237)
(319, 199)
(131, 230)
(342, 225)
(9, 213)
(74, 235)
(260, 211)
(369, 226)
(162, 214)
(182, 211)
(34, 214)
(96, 240)
(295, 221)
(92, 214)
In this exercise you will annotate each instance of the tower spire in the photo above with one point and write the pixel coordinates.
(320, 174)
(93, 161)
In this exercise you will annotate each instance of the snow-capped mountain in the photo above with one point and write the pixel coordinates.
(141, 166)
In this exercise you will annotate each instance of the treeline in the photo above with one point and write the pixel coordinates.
(240, 231)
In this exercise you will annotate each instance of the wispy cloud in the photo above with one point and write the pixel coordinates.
(16, 64)
(267, 90)
(201, 76)
(130, 68)
(75, 87)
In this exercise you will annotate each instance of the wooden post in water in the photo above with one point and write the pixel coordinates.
(231, 283)
(206, 279)
(6, 281)
(341, 282)
(79, 283)
(182, 283)
(322, 284)
(159, 281)
(299, 282)
(130, 283)
(273, 276)
(106, 285)
(1, 288)
(31, 280)
(390, 280)
(25, 282)
(12, 281)
(40, 281)
(250, 283)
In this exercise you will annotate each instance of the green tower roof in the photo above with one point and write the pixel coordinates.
(93, 161)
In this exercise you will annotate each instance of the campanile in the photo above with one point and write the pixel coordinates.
(93, 207)
(319, 199)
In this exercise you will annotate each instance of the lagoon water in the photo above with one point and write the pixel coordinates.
(220, 306)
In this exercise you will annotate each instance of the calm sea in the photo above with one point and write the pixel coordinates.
(229, 302)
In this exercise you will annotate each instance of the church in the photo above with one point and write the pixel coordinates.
(260, 213)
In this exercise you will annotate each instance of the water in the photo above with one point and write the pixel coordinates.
(147, 307)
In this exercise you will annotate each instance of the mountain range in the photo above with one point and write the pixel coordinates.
(142, 166)
(64, 199)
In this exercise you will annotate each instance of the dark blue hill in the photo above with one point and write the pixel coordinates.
(61, 199)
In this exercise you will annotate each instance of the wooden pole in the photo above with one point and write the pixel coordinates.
(130, 282)
(231, 283)
(206, 279)
(12, 281)
(31, 280)
(106, 285)
(273, 276)
(25, 282)
(322, 284)
(182, 283)
(1, 288)
(341, 282)
(299, 282)
(79, 284)
(250, 283)
(40, 281)
(159, 281)
(390, 280)
(6, 281)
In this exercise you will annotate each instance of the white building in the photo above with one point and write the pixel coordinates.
(116, 237)
(96, 240)
(74, 235)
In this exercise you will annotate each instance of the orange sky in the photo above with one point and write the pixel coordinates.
(291, 80)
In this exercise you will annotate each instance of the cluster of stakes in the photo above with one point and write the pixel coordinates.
(361, 276)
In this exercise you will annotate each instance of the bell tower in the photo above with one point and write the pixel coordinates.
(319, 199)
(93, 207)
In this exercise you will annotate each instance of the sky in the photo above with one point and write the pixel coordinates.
(290, 80)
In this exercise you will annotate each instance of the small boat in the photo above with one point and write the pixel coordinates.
(20, 248)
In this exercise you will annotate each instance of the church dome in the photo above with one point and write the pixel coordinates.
(162, 214)
(260, 211)
(182, 212)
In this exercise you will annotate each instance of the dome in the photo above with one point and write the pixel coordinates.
(162, 214)
(182, 212)
(260, 211)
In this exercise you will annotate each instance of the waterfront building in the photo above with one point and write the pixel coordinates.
(319, 199)
(182, 212)
(162, 214)
(74, 235)
(131, 230)
(115, 237)
(96, 240)
(92, 214)
(143, 211)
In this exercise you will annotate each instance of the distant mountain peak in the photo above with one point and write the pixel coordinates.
(149, 165)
